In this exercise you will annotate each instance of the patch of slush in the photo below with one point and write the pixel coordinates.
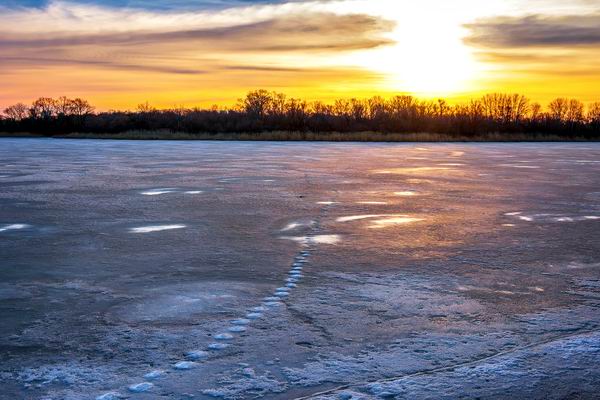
(156, 228)
(14, 227)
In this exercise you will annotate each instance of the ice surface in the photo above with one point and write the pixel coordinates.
(89, 308)
(196, 355)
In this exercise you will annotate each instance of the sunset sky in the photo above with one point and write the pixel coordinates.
(118, 53)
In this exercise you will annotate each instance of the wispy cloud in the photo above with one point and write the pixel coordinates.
(536, 30)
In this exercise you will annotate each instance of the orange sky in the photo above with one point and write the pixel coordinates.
(119, 55)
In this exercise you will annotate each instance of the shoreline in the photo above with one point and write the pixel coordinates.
(284, 136)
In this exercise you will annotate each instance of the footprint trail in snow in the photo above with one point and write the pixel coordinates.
(226, 338)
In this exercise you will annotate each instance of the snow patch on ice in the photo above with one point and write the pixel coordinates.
(158, 192)
(184, 365)
(140, 387)
(14, 227)
(224, 336)
(154, 374)
(155, 228)
(218, 346)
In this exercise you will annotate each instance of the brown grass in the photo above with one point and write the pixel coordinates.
(315, 136)
(326, 136)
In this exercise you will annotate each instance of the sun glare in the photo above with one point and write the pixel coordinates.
(428, 56)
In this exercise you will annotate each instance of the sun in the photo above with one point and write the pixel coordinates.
(428, 57)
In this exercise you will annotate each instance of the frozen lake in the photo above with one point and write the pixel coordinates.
(202, 270)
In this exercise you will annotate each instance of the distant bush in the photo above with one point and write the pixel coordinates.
(264, 114)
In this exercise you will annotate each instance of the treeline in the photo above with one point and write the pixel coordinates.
(263, 111)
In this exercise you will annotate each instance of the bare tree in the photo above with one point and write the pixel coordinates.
(43, 108)
(594, 112)
(257, 103)
(17, 112)
(558, 109)
(80, 107)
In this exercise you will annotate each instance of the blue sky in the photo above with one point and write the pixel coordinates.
(146, 4)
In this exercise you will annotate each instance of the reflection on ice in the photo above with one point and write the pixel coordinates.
(155, 228)
(358, 217)
(414, 170)
(406, 193)
(317, 239)
(294, 225)
(381, 220)
(386, 222)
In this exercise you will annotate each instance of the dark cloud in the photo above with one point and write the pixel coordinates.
(536, 31)
(45, 62)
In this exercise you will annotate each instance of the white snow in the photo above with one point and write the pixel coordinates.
(109, 396)
(184, 365)
(158, 192)
(155, 228)
(12, 227)
(237, 329)
(140, 387)
(253, 315)
(218, 346)
(154, 374)
(224, 336)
